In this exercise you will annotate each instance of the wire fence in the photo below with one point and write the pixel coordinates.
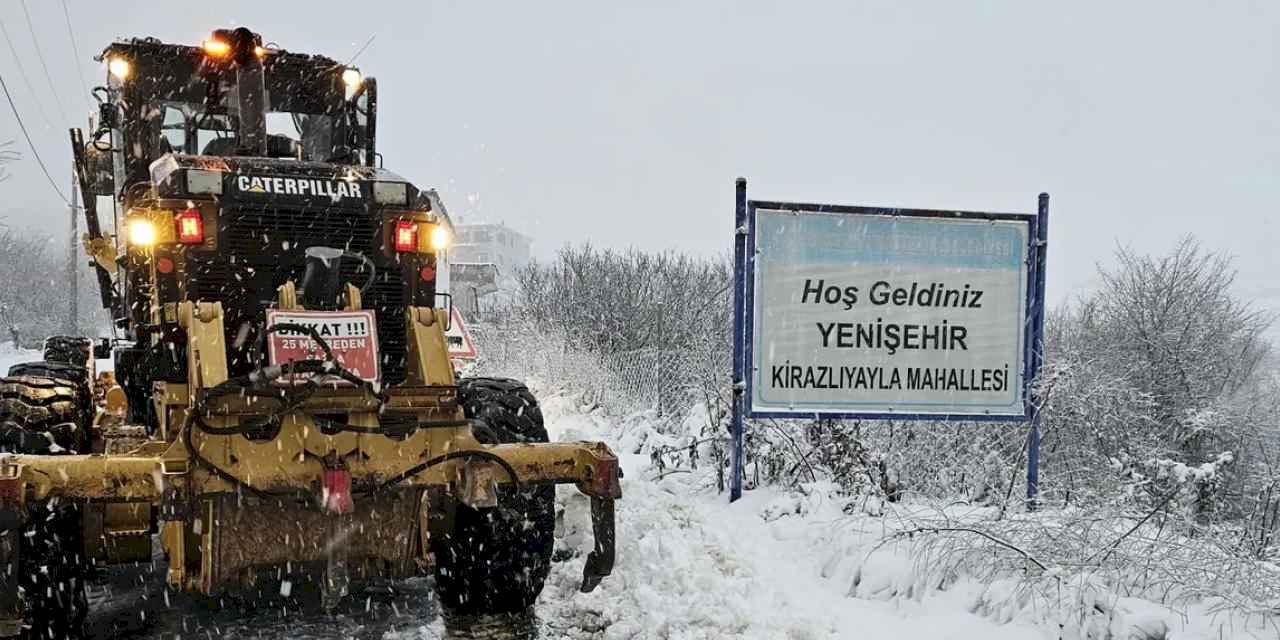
(662, 381)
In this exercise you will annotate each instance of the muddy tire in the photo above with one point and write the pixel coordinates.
(46, 400)
(73, 350)
(46, 409)
(495, 561)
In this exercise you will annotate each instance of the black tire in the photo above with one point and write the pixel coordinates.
(47, 398)
(44, 404)
(52, 572)
(74, 374)
(51, 568)
(495, 561)
(73, 350)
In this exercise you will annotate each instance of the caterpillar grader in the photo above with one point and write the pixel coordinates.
(283, 406)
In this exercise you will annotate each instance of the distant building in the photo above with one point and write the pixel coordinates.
(492, 243)
(482, 259)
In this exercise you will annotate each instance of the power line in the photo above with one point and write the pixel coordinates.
(71, 33)
(362, 48)
(34, 153)
(40, 56)
(23, 72)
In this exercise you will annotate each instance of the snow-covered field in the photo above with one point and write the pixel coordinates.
(10, 356)
(690, 565)
(807, 564)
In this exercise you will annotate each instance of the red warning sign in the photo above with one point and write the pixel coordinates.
(461, 347)
(351, 335)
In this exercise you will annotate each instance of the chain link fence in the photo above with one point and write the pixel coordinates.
(661, 381)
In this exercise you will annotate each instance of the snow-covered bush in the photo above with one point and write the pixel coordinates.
(34, 300)
(1162, 371)
(640, 332)
(8, 154)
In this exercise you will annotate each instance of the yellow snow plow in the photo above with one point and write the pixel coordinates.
(283, 403)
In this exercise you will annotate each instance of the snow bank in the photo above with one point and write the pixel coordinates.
(692, 566)
(811, 563)
(10, 355)
(808, 564)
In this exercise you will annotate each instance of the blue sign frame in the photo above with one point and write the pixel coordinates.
(744, 316)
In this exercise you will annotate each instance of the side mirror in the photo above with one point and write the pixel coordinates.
(363, 110)
(98, 170)
(371, 126)
(107, 117)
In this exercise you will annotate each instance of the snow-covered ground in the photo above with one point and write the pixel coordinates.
(9, 356)
(690, 565)
(804, 564)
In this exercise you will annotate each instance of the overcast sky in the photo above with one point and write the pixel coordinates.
(583, 121)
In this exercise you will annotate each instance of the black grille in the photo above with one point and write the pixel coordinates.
(260, 250)
(247, 232)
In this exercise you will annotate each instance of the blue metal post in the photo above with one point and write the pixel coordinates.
(739, 338)
(1037, 352)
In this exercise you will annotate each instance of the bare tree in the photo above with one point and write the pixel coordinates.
(8, 154)
(33, 301)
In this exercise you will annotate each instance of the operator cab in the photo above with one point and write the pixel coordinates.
(234, 96)
(232, 165)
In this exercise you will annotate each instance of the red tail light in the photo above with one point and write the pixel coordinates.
(406, 236)
(335, 491)
(190, 227)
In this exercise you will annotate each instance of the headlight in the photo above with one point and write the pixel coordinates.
(217, 48)
(440, 238)
(119, 67)
(351, 78)
(141, 232)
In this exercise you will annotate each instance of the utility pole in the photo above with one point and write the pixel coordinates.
(73, 279)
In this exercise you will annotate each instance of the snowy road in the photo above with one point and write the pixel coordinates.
(133, 603)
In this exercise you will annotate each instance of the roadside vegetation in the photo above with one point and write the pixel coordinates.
(1160, 458)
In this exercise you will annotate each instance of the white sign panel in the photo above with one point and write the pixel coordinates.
(352, 336)
(875, 314)
(458, 339)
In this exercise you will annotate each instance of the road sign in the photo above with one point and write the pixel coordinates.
(864, 314)
(351, 335)
(458, 339)
(884, 313)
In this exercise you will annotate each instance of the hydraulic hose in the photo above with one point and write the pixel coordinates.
(452, 455)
